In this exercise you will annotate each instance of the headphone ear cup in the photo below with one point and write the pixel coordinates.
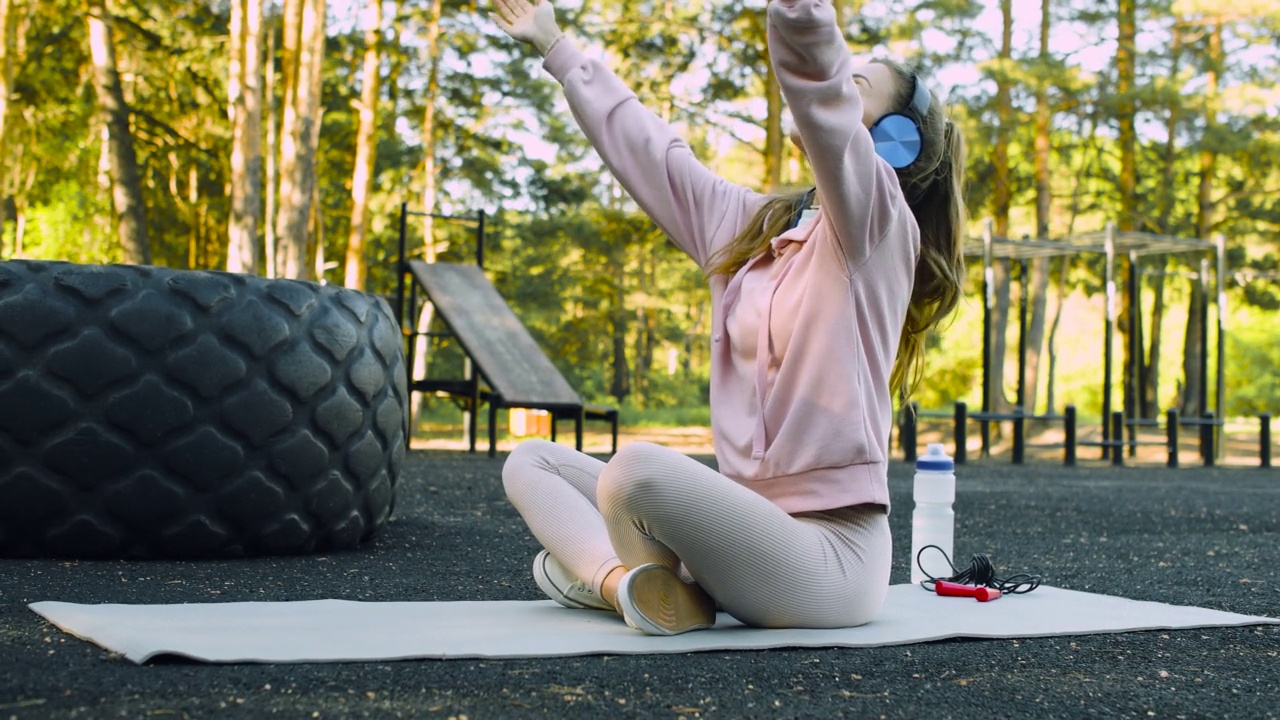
(897, 139)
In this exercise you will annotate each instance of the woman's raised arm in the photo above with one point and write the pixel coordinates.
(859, 193)
(697, 209)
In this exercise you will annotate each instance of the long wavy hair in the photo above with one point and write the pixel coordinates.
(934, 189)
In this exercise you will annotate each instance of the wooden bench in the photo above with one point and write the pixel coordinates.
(517, 373)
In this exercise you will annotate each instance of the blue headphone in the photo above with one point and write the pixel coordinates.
(897, 135)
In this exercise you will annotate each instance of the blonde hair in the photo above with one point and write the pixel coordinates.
(933, 186)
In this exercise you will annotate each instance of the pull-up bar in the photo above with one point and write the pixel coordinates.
(1108, 243)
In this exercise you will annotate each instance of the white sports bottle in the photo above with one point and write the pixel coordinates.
(933, 522)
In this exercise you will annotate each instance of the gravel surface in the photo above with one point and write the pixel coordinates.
(1196, 536)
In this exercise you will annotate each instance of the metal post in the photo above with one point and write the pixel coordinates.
(402, 265)
(1117, 432)
(1019, 436)
(907, 432)
(493, 425)
(1207, 451)
(1141, 364)
(1220, 401)
(1022, 336)
(411, 332)
(1171, 432)
(962, 440)
(480, 239)
(1133, 388)
(1203, 320)
(1264, 449)
(1069, 431)
(1110, 280)
(989, 297)
(473, 403)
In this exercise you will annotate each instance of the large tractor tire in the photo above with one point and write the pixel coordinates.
(148, 412)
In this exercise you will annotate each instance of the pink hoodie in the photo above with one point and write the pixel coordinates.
(803, 338)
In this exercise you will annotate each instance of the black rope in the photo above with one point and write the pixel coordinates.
(980, 573)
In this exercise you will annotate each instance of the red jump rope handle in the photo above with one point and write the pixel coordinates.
(950, 589)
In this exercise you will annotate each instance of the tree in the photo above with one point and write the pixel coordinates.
(1195, 340)
(366, 148)
(1002, 197)
(302, 62)
(126, 187)
(1128, 325)
(8, 26)
(244, 95)
(1039, 284)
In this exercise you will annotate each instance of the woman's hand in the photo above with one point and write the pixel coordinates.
(528, 22)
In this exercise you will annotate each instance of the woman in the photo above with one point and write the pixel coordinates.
(819, 319)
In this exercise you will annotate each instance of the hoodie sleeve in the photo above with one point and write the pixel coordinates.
(696, 209)
(860, 193)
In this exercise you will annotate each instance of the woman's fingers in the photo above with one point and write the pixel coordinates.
(507, 10)
(513, 10)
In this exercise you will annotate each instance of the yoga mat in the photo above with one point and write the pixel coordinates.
(346, 631)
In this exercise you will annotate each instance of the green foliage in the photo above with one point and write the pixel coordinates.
(1253, 385)
(617, 307)
(70, 226)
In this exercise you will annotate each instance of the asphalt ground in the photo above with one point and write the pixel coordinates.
(1197, 536)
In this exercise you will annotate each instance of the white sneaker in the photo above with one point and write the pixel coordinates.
(560, 585)
(655, 601)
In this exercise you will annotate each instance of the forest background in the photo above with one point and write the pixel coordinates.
(282, 138)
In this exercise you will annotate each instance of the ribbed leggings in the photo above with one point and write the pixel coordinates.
(651, 504)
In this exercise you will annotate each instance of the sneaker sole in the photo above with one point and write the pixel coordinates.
(656, 601)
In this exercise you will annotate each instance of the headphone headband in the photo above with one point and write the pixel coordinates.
(919, 97)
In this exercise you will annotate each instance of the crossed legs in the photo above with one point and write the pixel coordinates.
(651, 504)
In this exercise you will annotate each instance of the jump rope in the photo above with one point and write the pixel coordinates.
(978, 581)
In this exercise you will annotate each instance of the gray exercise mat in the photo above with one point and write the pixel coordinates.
(346, 631)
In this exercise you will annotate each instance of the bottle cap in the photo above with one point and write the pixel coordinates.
(935, 458)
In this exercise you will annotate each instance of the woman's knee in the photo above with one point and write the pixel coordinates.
(634, 472)
(524, 463)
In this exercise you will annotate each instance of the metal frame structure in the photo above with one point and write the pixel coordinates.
(470, 388)
(1108, 243)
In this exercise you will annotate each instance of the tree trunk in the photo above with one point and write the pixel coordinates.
(273, 156)
(194, 240)
(1194, 347)
(422, 349)
(620, 383)
(773, 140)
(1127, 325)
(1168, 196)
(1051, 399)
(1039, 285)
(366, 148)
(299, 133)
(1125, 72)
(1150, 406)
(7, 34)
(1000, 277)
(315, 231)
(126, 187)
(428, 132)
(1001, 199)
(244, 90)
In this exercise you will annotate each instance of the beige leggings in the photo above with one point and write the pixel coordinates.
(651, 504)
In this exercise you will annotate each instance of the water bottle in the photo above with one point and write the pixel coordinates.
(933, 522)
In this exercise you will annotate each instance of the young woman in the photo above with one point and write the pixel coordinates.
(819, 320)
